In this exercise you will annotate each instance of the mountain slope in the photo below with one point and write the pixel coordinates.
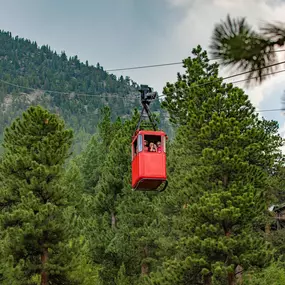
(79, 90)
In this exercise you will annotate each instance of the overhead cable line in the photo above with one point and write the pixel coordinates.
(83, 94)
(237, 81)
(263, 75)
(59, 92)
(167, 64)
(270, 110)
(145, 66)
(116, 95)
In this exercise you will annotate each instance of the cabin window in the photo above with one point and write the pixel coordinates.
(152, 139)
(140, 143)
(137, 146)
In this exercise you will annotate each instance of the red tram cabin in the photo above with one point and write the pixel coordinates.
(149, 167)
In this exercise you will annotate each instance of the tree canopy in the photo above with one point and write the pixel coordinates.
(235, 43)
(74, 219)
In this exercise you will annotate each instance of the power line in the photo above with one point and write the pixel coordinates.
(270, 110)
(145, 66)
(139, 67)
(263, 75)
(167, 64)
(84, 94)
(257, 69)
(59, 92)
(115, 95)
(237, 81)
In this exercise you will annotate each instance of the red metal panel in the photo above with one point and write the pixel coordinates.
(148, 168)
(149, 165)
(135, 170)
(152, 165)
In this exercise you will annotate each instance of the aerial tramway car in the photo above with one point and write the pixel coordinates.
(148, 151)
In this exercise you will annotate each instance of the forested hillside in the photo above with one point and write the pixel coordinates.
(27, 71)
(76, 220)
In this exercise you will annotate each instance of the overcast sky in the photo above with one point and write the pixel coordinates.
(126, 33)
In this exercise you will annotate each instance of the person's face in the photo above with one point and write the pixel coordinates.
(158, 143)
(145, 142)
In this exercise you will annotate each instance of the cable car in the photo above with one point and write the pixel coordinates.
(148, 164)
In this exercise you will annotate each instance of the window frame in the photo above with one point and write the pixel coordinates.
(137, 146)
(163, 143)
(155, 139)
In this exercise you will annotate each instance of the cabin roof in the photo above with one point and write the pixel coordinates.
(149, 132)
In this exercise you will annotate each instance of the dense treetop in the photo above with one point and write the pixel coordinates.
(76, 220)
(25, 63)
(86, 88)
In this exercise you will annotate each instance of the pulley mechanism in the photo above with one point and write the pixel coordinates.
(147, 96)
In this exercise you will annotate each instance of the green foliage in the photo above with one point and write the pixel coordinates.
(45, 69)
(136, 233)
(92, 160)
(24, 63)
(122, 279)
(97, 149)
(237, 44)
(274, 274)
(34, 228)
(228, 156)
(224, 169)
(73, 89)
(108, 190)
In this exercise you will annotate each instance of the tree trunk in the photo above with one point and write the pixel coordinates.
(44, 274)
(145, 266)
(113, 223)
(208, 280)
(267, 228)
(231, 278)
(144, 269)
(231, 275)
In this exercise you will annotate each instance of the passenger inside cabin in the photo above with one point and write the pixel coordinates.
(159, 147)
(145, 148)
(152, 147)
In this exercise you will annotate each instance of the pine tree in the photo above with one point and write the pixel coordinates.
(97, 149)
(92, 163)
(238, 45)
(230, 154)
(108, 190)
(122, 279)
(79, 214)
(136, 233)
(34, 230)
(111, 187)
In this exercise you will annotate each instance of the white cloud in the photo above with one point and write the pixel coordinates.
(197, 25)
(178, 3)
(282, 131)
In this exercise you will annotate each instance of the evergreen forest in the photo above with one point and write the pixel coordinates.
(68, 213)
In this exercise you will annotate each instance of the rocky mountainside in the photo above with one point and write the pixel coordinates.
(30, 74)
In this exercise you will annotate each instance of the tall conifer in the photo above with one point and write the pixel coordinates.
(226, 155)
(34, 230)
